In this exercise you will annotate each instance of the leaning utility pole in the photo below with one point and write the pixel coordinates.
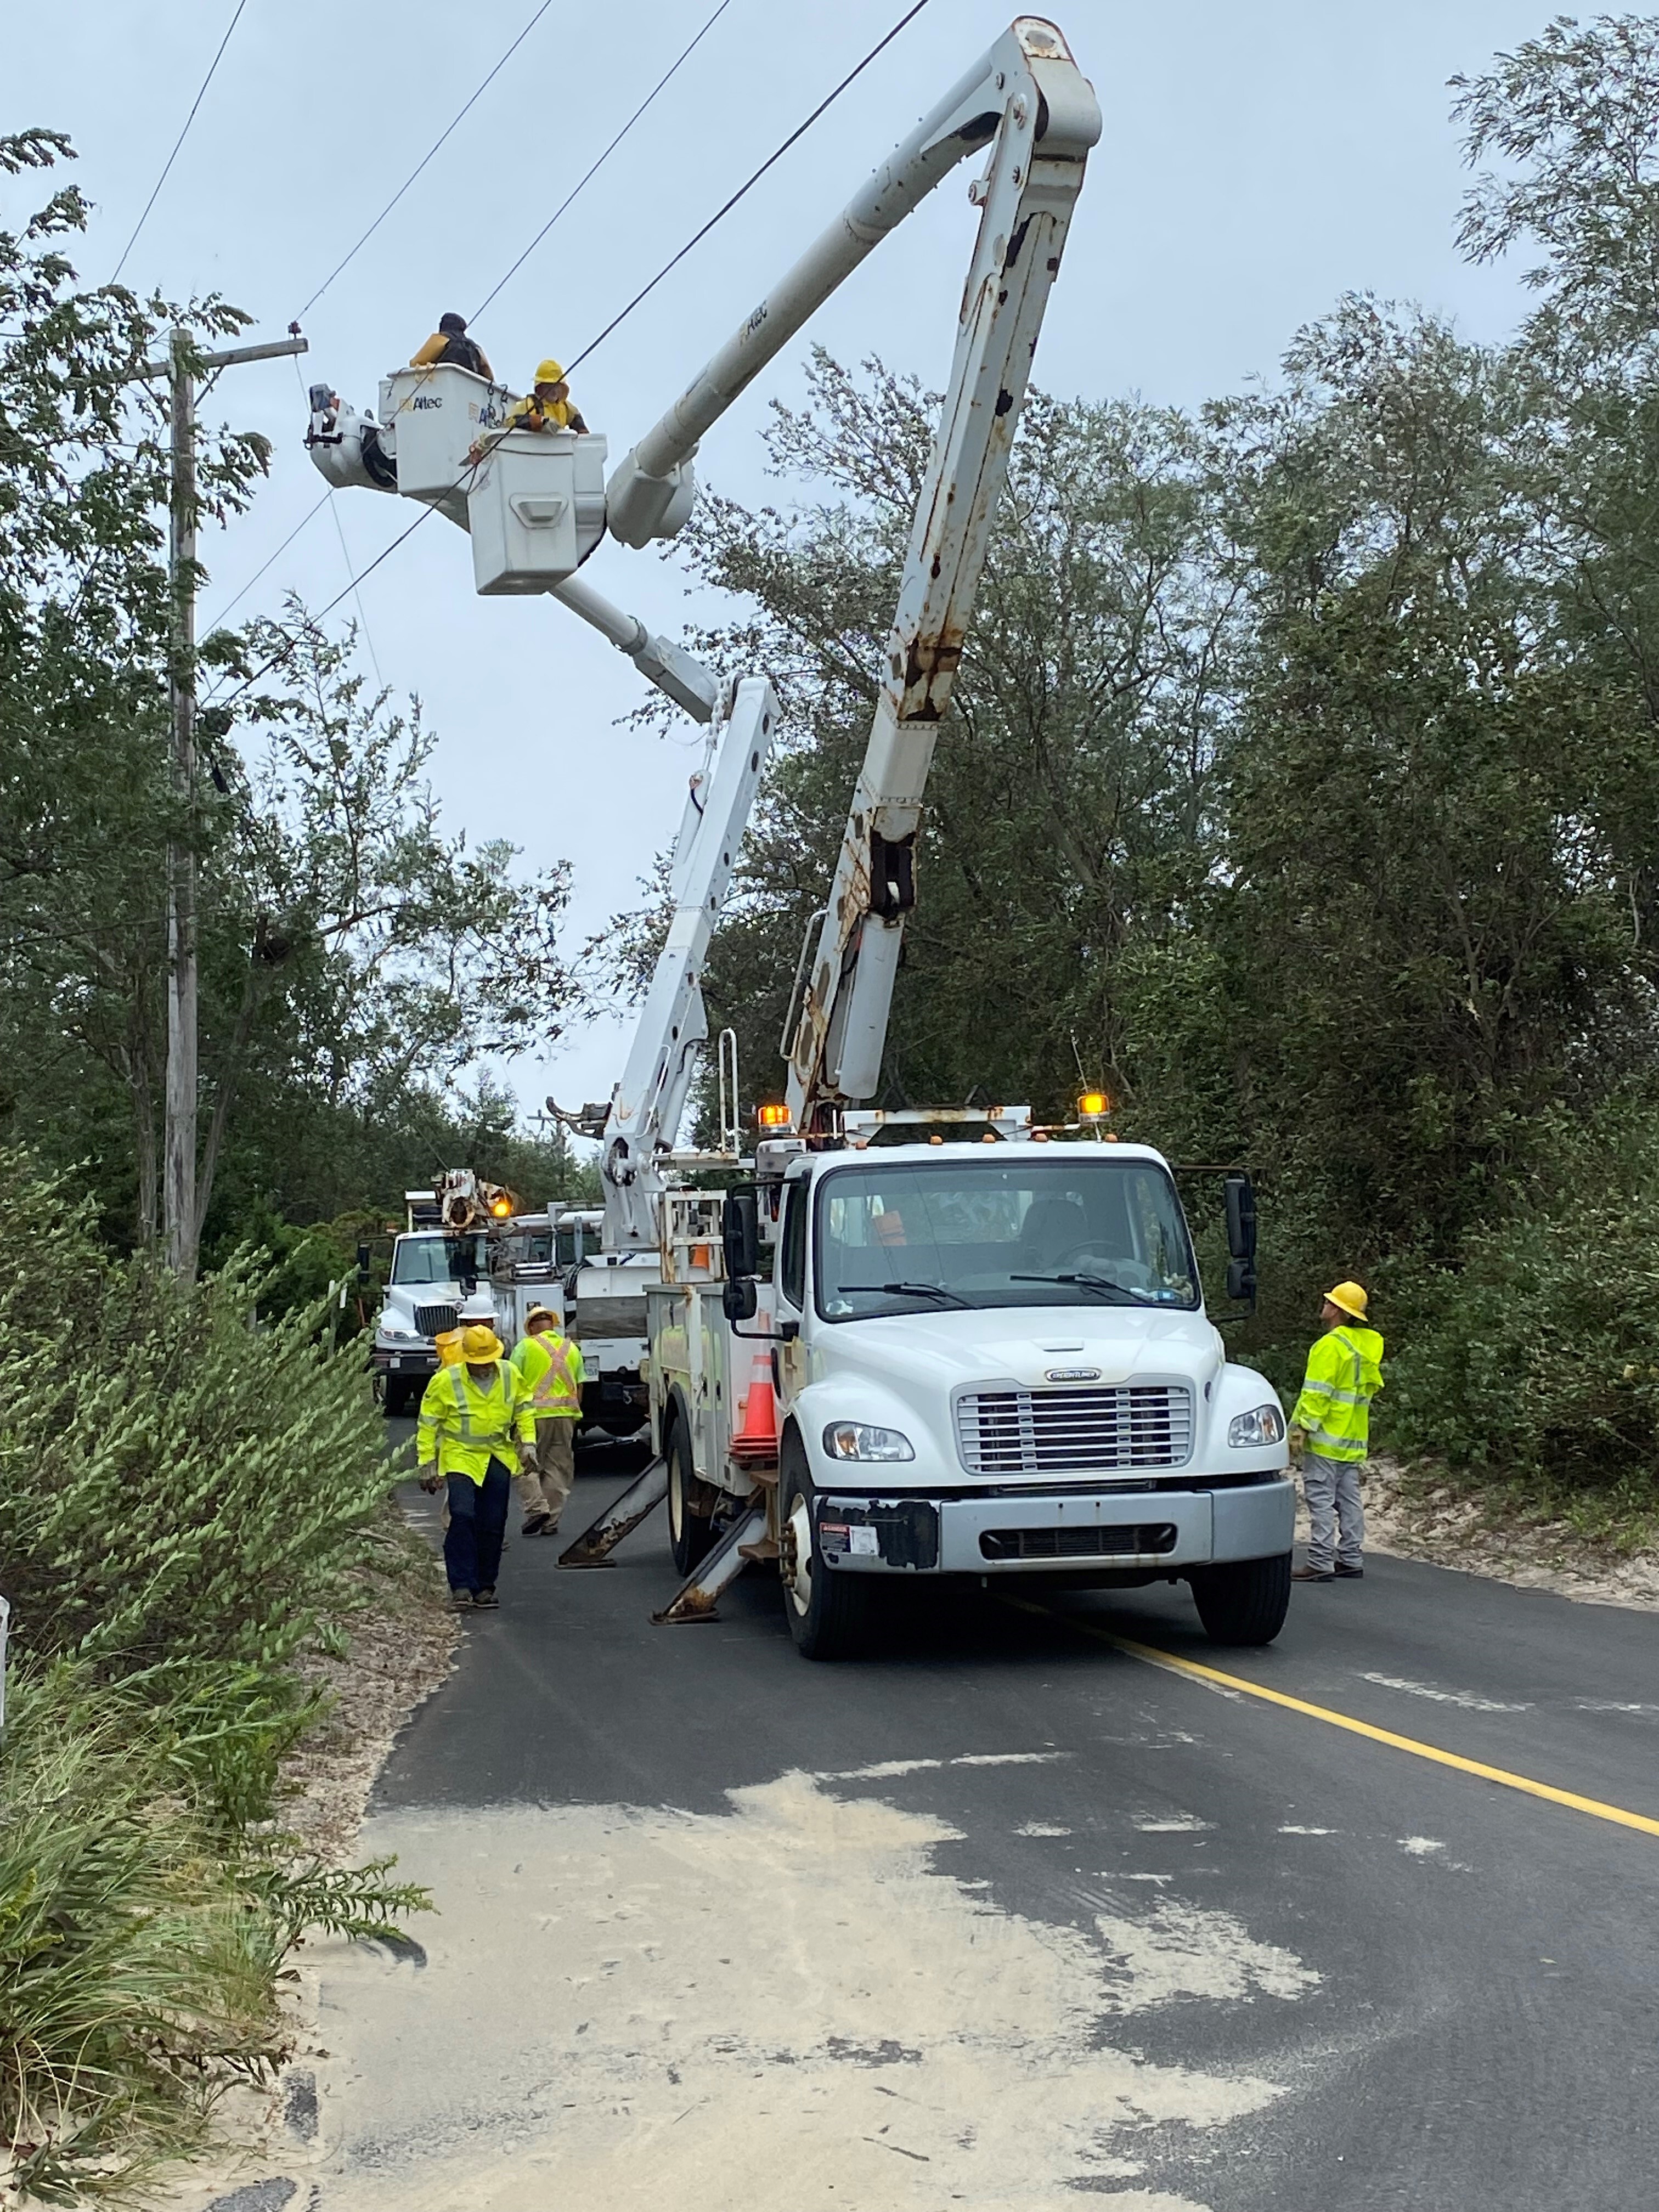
(180, 1213)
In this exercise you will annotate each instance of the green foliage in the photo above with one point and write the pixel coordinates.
(1539, 1355)
(184, 1488)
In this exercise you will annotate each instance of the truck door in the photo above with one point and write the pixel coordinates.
(789, 1287)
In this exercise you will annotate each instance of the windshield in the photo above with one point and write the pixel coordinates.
(437, 1258)
(1075, 1231)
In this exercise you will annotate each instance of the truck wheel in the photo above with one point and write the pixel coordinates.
(827, 1613)
(1244, 1602)
(690, 1538)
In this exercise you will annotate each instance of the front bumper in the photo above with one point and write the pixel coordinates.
(1021, 1532)
(410, 1359)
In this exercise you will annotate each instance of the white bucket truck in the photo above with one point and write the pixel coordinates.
(988, 1360)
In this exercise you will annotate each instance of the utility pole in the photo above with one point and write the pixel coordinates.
(179, 1153)
(180, 1212)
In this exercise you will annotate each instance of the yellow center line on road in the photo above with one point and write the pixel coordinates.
(1199, 1673)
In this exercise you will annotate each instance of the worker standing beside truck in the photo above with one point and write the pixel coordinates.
(1330, 1430)
(476, 1424)
(550, 1368)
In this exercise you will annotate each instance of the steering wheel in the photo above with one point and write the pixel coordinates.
(1077, 1252)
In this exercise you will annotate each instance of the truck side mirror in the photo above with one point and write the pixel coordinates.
(740, 1233)
(1241, 1280)
(738, 1298)
(363, 1261)
(1240, 1193)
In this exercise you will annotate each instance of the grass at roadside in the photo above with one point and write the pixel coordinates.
(193, 1509)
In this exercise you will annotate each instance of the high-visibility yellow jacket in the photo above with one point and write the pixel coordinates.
(451, 346)
(464, 1425)
(1345, 1373)
(551, 1368)
(533, 414)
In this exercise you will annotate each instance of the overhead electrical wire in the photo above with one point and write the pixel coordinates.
(168, 165)
(402, 538)
(770, 161)
(591, 172)
(599, 163)
(224, 612)
(459, 117)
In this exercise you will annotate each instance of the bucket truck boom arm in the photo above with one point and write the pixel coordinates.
(1046, 119)
(647, 1106)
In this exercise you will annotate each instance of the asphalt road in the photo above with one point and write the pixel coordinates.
(1099, 1927)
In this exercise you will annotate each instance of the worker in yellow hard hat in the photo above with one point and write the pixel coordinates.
(549, 406)
(1330, 1433)
(476, 1423)
(550, 1366)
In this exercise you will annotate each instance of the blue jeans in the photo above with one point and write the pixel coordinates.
(477, 1522)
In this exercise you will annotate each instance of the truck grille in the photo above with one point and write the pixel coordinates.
(1099, 1543)
(433, 1320)
(1074, 1431)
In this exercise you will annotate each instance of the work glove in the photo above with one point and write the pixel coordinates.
(431, 1482)
(1299, 1443)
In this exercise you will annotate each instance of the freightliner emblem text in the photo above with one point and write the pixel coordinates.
(1071, 1374)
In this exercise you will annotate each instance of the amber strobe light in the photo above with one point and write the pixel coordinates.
(1092, 1106)
(772, 1117)
(501, 1207)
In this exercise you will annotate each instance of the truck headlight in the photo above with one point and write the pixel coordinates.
(1265, 1424)
(397, 1335)
(857, 1440)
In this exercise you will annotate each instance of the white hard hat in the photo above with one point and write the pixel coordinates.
(479, 1307)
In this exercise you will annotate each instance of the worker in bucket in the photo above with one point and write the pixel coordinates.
(475, 1426)
(450, 344)
(550, 1368)
(548, 407)
(1330, 1433)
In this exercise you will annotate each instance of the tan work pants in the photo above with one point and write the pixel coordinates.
(544, 1489)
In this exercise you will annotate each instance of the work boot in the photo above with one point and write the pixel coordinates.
(461, 1599)
(487, 1599)
(1346, 1574)
(1313, 1575)
(538, 1524)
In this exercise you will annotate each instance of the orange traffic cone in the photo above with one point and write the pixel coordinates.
(756, 1442)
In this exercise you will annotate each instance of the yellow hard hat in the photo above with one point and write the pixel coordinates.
(550, 373)
(540, 1313)
(1348, 1298)
(480, 1343)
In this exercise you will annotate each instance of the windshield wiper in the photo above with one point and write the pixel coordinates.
(911, 1290)
(1120, 1292)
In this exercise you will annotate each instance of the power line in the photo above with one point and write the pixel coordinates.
(220, 619)
(345, 554)
(293, 640)
(770, 161)
(287, 647)
(661, 81)
(426, 157)
(183, 135)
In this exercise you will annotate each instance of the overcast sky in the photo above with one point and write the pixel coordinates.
(1257, 161)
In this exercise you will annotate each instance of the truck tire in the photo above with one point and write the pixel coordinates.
(397, 1397)
(1244, 1602)
(690, 1538)
(827, 1613)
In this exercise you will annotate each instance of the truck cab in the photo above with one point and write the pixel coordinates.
(433, 1270)
(992, 1360)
